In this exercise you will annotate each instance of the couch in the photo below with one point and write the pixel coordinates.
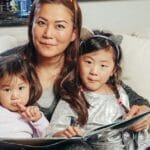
(135, 64)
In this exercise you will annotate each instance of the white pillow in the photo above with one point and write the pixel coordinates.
(7, 42)
(136, 64)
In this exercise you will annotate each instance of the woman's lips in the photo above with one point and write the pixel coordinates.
(47, 43)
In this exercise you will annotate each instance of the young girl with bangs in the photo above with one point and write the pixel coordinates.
(19, 91)
(105, 99)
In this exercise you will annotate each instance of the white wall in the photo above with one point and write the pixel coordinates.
(127, 16)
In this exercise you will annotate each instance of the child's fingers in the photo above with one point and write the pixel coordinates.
(60, 134)
(18, 106)
(68, 133)
(32, 110)
(72, 131)
(21, 107)
(77, 131)
(32, 113)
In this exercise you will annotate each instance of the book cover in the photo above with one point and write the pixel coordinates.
(44, 142)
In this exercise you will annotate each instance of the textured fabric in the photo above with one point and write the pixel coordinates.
(12, 125)
(104, 110)
(47, 98)
(47, 103)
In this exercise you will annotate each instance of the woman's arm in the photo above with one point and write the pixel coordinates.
(138, 105)
(134, 98)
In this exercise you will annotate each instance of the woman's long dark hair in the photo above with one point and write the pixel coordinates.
(65, 85)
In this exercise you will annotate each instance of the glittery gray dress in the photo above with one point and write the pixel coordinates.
(104, 110)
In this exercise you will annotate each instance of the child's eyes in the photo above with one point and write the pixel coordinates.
(21, 88)
(104, 66)
(7, 90)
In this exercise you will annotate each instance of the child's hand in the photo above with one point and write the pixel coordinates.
(142, 124)
(69, 132)
(31, 113)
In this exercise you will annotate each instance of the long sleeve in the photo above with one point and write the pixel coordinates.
(40, 126)
(61, 118)
(13, 125)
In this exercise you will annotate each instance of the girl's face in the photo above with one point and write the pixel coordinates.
(13, 89)
(52, 30)
(95, 69)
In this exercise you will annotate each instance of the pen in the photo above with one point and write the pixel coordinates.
(73, 121)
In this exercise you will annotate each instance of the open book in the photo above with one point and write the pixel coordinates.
(44, 142)
(117, 125)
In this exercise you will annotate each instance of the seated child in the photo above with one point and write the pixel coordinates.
(19, 90)
(99, 89)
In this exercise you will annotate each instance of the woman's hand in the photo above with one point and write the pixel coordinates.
(69, 132)
(142, 124)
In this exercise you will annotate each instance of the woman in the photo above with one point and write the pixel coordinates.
(54, 31)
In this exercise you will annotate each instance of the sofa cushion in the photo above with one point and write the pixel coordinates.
(7, 42)
(136, 64)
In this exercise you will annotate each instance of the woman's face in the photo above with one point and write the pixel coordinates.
(52, 30)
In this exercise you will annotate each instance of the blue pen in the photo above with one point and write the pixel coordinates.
(73, 121)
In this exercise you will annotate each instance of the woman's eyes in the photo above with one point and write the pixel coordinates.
(88, 62)
(41, 23)
(60, 26)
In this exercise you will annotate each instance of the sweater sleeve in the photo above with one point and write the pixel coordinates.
(40, 126)
(61, 118)
(134, 98)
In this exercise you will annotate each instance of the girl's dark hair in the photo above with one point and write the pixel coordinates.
(13, 65)
(98, 40)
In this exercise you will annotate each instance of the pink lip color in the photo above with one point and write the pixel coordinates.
(92, 80)
(47, 43)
